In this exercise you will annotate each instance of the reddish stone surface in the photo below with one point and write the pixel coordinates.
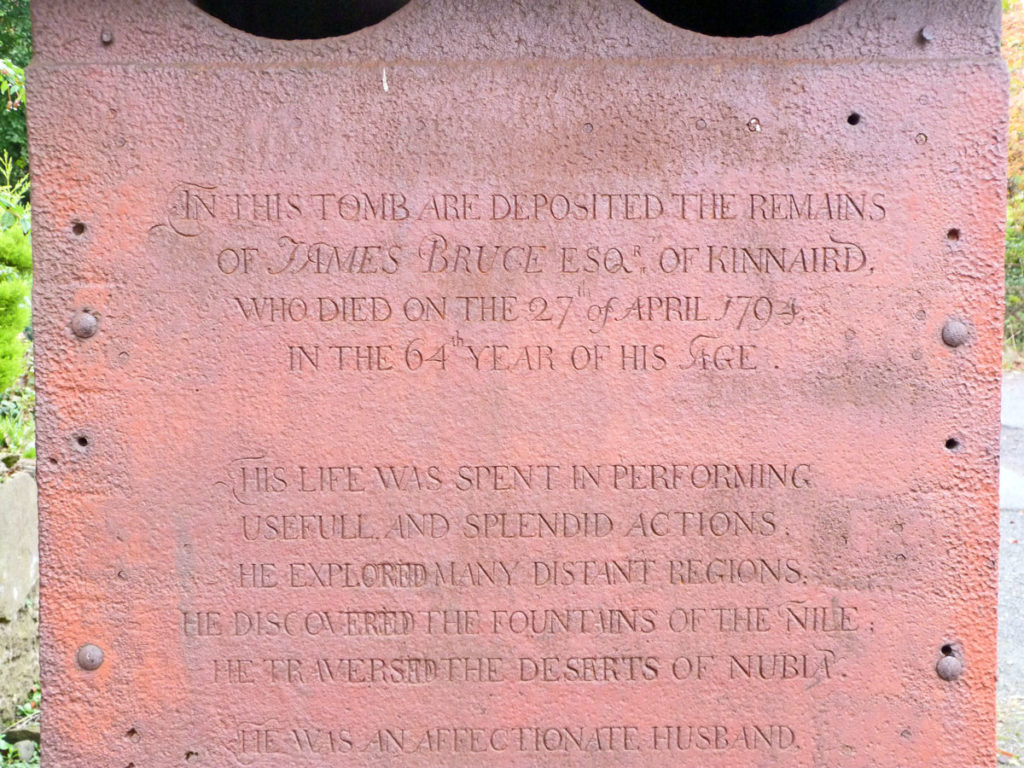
(671, 454)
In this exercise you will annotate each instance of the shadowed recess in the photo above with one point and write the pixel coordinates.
(740, 18)
(300, 19)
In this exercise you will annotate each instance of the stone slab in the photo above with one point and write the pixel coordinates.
(19, 544)
(1012, 414)
(1011, 461)
(19, 591)
(519, 384)
(19, 657)
(1011, 551)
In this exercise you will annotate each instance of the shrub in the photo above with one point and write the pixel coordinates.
(15, 315)
(16, 48)
(1013, 51)
(16, 250)
(15, 274)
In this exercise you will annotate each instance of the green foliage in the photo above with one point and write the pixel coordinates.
(12, 83)
(1014, 324)
(15, 52)
(9, 757)
(14, 206)
(15, 32)
(1013, 52)
(16, 250)
(15, 315)
(29, 708)
(15, 273)
(17, 419)
(28, 715)
(18, 436)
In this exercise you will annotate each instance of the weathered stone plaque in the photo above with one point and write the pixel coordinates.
(519, 385)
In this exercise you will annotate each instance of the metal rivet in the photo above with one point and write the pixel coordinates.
(702, 124)
(927, 34)
(754, 125)
(955, 333)
(921, 138)
(949, 667)
(84, 325)
(89, 657)
(106, 37)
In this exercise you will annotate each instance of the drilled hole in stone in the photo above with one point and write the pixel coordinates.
(132, 735)
(82, 441)
(947, 650)
(854, 118)
(740, 18)
(78, 228)
(952, 444)
(953, 235)
(300, 19)
(190, 756)
(53, 461)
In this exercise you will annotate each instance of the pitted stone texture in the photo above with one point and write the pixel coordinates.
(280, 350)
(175, 31)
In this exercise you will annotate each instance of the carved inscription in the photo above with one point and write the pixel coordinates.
(518, 385)
(528, 740)
(587, 305)
(619, 571)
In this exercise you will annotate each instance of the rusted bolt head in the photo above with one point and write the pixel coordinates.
(949, 667)
(955, 333)
(89, 657)
(106, 37)
(84, 325)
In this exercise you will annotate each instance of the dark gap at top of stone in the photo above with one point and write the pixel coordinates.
(300, 19)
(740, 18)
